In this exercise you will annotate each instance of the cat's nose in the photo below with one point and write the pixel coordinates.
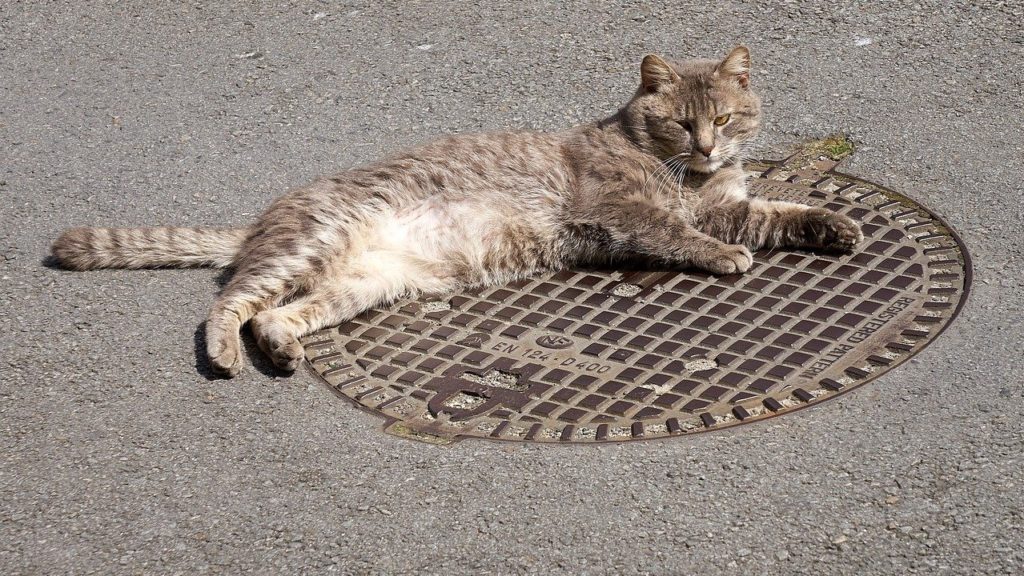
(706, 150)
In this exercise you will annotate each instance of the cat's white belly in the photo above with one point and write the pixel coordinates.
(430, 247)
(439, 230)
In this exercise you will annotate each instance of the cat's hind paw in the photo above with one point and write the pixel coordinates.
(826, 229)
(287, 355)
(277, 341)
(226, 356)
(725, 259)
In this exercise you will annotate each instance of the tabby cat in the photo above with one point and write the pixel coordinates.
(661, 179)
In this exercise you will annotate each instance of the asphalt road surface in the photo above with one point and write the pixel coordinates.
(120, 456)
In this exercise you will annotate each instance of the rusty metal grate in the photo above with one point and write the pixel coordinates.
(588, 355)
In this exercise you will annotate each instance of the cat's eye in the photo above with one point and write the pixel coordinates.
(722, 120)
(684, 124)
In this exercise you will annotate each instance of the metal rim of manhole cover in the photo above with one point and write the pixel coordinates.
(597, 356)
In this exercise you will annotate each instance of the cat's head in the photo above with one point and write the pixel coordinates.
(700, 113)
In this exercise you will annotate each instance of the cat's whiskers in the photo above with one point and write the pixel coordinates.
(658, 173)
(669, 170)
(664, 179)
(678, 170)
(665, 174)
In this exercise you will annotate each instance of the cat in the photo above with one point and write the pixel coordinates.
(661, 180)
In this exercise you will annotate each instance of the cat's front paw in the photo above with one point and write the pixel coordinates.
(725, 259)
(822, 228)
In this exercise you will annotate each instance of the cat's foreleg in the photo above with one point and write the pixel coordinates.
(758, 223)
(643, 228)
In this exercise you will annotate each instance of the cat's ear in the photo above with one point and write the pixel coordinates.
(655, 73)
(736, 66)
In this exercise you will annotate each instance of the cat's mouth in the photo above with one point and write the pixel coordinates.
(705, 165)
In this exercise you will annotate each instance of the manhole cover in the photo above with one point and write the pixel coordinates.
(585, 355)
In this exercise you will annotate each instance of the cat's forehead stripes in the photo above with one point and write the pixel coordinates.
(702, 97)
(697, 107)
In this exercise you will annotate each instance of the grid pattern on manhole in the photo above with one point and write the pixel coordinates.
(590, 355)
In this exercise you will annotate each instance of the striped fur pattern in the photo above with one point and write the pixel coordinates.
(662, 180)
(165, 246)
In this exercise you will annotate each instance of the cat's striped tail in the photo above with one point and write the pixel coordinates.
(91, 248)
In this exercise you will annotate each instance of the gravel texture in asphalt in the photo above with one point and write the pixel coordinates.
(119, 455)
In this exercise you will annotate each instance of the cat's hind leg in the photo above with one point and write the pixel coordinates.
(758, 223)
(261, 282)
(277, 330)
(238, 303)
(339, 295)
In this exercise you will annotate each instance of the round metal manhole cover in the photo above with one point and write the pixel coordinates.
(592, 356)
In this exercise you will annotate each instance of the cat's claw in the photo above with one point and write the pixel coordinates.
(726, 259)
(826, 229)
